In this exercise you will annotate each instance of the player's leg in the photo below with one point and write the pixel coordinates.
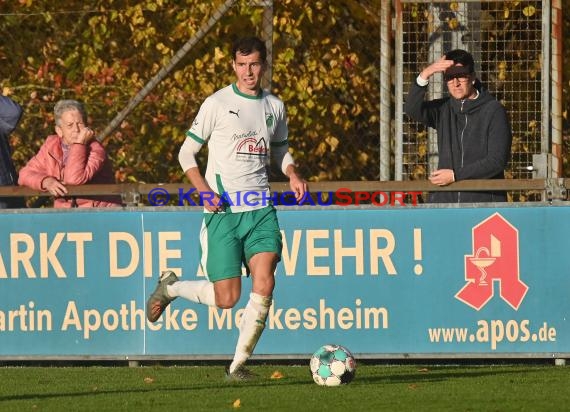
(170, 287)
(252, 323)
(220, 259)
(199, 291)
(262, 251)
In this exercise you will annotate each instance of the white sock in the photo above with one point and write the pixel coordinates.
(199, 291)
(251, 327)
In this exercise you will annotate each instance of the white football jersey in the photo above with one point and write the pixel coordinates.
(239, 130)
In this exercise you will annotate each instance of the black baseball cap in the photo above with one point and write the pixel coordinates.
(456, 71)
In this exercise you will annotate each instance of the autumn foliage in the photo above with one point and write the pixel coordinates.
(103, 52)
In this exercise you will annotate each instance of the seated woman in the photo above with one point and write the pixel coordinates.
(70, 157)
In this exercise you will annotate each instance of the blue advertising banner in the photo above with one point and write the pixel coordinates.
(423, 281)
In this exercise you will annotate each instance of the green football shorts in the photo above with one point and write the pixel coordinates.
(228, 240)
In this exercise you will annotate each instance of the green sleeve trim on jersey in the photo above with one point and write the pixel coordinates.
(279, 144)
(193, 136)
(258, 96)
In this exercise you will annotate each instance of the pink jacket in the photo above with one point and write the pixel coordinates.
(85, 164)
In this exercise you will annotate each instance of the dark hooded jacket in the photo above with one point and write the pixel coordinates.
(473, 139)
(10, 114)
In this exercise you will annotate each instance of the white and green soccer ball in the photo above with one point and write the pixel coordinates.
(332, 365)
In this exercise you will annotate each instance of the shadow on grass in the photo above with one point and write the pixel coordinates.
(423, 375)
(438, 374)
(221, 384)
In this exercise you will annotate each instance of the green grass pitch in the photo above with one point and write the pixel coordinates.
(285, 387)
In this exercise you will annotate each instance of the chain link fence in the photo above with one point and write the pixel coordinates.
(511, 45)
(343, 69)
(508, 41)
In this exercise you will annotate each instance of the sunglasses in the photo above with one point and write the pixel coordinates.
(463, 77)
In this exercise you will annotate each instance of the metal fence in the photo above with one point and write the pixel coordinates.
(351, 69)
(510, 42)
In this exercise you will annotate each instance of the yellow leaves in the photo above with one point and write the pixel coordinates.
(453, 24)
(162, 48)
(148, 380)
(502, 74)
(317, 82)
(219, 55)
(287, 55)
(277, 375)
(321, 149)
(333, 142)
(454, 6)
(236, 404)
(328, 145)
(529, 11)
(363, 157)
(335, 108)
(178, 76)
(356, 110)
(532, 125)
(309, 13)
(283, 21)
(422, 150)
(302, 84)
(333, 75)
(422, 135)
(414, 12)
(418, 172)
(136, 14)
(535, 68)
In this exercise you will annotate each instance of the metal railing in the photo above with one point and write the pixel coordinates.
(134, 194)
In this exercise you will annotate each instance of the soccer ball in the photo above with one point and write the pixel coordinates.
(332, 365)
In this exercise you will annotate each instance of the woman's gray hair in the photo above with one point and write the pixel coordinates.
(63, 106)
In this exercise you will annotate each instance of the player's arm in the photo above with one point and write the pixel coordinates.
(297, 184)
(187, 159)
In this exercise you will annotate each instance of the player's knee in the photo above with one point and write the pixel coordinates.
(264, 286)
(227, 293)
(226, 302)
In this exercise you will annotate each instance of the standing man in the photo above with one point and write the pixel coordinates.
(242, 125)
(473, 131)
(10, 115)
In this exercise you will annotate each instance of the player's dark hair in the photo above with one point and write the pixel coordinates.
(462, 57)
(248, 45)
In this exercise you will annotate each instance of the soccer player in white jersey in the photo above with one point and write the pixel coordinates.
(242, 125)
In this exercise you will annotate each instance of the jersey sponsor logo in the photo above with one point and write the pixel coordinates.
(252, 147)
(493, 262)
(235, 112)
